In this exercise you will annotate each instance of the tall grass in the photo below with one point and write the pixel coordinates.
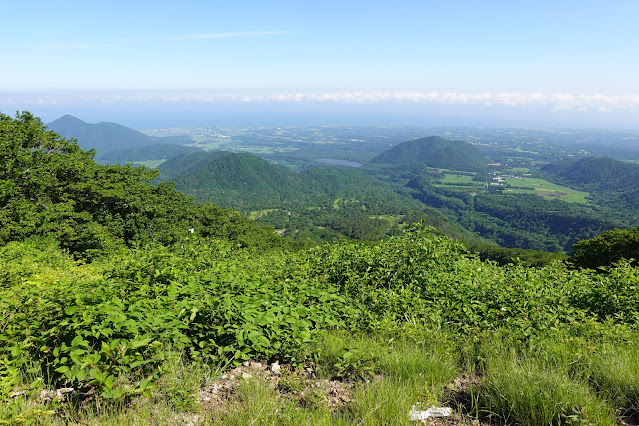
(527, 392)
(615, 374)
(383, 402)
(427, 363)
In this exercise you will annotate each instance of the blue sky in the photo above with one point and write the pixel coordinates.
(570, 63)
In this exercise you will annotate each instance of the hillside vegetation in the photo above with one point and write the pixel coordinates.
(164, 325)
(51, 188)
(612, 183)
(436, 152)
(241, 181)
(105, 137)
(317, 204)
(145, 153)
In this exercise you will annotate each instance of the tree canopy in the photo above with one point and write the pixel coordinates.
(51, 187)
(607, 249)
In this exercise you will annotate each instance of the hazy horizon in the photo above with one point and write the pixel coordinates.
(143, 64)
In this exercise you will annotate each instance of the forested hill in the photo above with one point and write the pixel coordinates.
(612, 183)
(240, 181)
(145, 153)
(53, 189)
(247, 182)
(186, 163)
(595, 172)
(434, 151)
(104, 137)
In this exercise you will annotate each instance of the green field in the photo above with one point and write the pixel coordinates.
(523, 151)
(545, 189)
(527, 185)
(462, 179)
(455, 178)
(518, 170)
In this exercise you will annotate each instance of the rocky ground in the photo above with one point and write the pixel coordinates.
(303, 386)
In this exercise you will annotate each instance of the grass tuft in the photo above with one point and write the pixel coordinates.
(383, 402)
(615, 375)
(527, 393)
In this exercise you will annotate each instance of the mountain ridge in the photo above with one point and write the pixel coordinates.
(104, 136)
(435, 152)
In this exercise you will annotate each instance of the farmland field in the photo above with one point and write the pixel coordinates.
(544, 188)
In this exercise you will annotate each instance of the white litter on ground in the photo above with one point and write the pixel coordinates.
(417, 415)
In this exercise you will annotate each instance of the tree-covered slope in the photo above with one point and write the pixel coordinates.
(241, 181)
(434, 151)
(614, 184)
(102, 137)
(607, 249)
(183, 164)
(52, 188)
(522, 221)
(318, 204)
(600, 173)
(145, 153)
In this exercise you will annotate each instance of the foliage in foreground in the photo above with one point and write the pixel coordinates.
(154, 291)
(109, 325)
(50, 187)
(607, 249)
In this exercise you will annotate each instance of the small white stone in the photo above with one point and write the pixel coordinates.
(417, 415)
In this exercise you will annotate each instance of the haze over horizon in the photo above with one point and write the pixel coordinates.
(159, 64)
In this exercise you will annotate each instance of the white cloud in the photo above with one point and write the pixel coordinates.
(553, 101)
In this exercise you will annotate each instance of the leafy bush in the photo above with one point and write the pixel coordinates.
(111, 325)
(607, 249)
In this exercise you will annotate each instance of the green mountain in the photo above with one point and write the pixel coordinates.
(145, 153)
(186, 163)
(53, 189)
(434, 152)
(101, 136)
(248, 182)
(612, 183)
(240, 181)
(104, 137)
(603, 173)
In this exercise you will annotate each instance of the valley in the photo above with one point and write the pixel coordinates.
(334, 213)
(463, 183)
(509, 168)
(413, 281)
